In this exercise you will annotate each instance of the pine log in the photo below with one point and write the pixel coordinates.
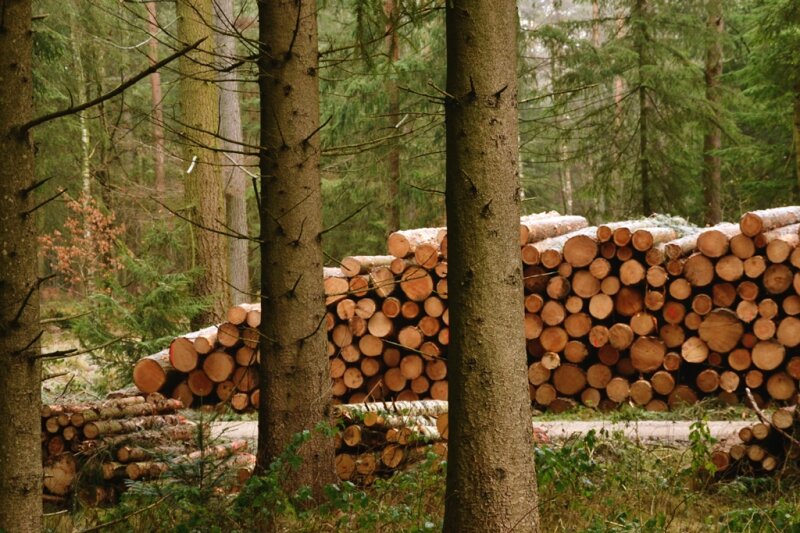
(714, 242)
(401, 244)
(755, 222)
(535, 230)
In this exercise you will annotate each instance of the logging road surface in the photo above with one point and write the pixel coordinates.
(645, 430)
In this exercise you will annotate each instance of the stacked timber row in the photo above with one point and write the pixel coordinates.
(216, 365)
(387, 324)
(768, 447)
(120, 438)
(647, 312)
(378, 439)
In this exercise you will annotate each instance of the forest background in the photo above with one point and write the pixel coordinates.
(627, 107)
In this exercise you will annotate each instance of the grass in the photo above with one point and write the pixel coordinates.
(596, 483)
(708, 408)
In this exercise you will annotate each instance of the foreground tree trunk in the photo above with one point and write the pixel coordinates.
(491, 482)
(712, 168)
(20, 371)
(234, 176)
(295, 382)
(203, 186)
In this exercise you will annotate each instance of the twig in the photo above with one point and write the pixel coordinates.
(348, 217)
(124, 518)
(72, 351)
(41, 204)
(761, 416)
(71, 110)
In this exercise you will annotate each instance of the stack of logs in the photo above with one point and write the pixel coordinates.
(378, 439)
(121, 438)
(770, 446)
(629, 312)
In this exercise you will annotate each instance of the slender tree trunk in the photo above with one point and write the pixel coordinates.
(796, 133)
(205, 197)
(640, 40)
(393, 92)
(20, 371)
(231, 133)
(491, 480)
(295, 382)
(86, 171)
(601, 191)
(617, 185)
(712, 167)
(156, 102)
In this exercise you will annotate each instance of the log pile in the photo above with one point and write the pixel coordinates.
(642, 312)
(377, 439)
(93, 447)
(769, 447)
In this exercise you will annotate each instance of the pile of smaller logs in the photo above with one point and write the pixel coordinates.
(94, 446)
(216, 365)
(378, 439)
(768, 447)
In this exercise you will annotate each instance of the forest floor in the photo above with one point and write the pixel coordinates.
(644, 431)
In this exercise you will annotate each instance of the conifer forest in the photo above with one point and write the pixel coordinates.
(400, 265)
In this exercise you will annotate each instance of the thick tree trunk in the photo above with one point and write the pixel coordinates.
(491, 481)
(393, 92)
(231, 132)
(640, 40)
(155, 100)
(203, 186)
(295, 382)
(712, 168)
(20, 373)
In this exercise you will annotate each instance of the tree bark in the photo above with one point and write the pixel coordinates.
(393, 92)
(491, 481)
(203, 187)
(295, 383)
(233, 173)
(712, 168)
(156, 101)
(20, 371)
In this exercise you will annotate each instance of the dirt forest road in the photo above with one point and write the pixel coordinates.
(649, 431)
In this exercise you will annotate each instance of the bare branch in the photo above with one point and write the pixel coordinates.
(71, 110)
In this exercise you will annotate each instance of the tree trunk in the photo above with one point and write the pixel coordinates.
(20, 373)
(796, 133)
(204, 188)
(155, 100)
(393, 92)
(295, 382)
(231, 133)
(712, 169)
(491, 481)
(640, 40)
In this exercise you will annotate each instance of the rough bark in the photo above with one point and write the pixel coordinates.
(294, 373)
(233, 173)
(491, 482)
(712, 168)
(155, 101)
(204, 194)
(20, 372)
(391, 11)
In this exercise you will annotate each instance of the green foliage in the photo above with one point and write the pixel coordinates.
(781, 516)
(700, 446)
(138, 312)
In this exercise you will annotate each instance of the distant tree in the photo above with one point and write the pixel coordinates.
(204, 191)
(712, 142)
(231, 140)
(491, 479)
